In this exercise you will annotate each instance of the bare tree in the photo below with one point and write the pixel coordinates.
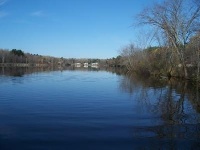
(145, 38)
(195, 56)
(129, 53)
(134, 58)
(178, 20)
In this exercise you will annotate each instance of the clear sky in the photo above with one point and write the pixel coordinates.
(68, 28)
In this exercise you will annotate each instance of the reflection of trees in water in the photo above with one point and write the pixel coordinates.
(176, 106)
(171, 105)
(176, 103)
(131, 82)
(170, 98)
(21, 71)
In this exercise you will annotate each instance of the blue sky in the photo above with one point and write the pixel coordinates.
(69, 28)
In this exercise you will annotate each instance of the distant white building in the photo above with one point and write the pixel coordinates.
(94, 65)
(85, 65)
(78, 65)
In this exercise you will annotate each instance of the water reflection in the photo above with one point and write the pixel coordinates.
(21, 71)
(171, 95)
(175, 102)
(125, 111)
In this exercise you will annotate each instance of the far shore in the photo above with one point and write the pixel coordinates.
(22, 65)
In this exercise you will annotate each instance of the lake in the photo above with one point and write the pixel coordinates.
(96, 110)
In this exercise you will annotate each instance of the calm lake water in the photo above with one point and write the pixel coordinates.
(96, 110)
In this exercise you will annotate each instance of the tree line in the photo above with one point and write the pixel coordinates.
(175, 30)
(15, 56)
(18, 56)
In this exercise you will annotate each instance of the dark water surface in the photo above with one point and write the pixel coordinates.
(97, 110)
